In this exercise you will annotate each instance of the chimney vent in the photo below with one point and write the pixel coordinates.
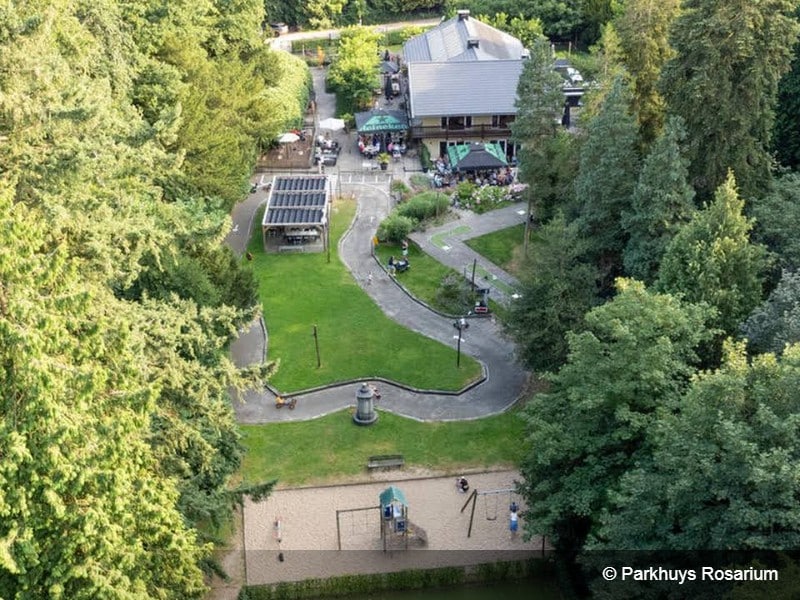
(463, 15)
(473, 43)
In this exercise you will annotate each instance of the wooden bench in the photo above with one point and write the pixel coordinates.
(386, 461)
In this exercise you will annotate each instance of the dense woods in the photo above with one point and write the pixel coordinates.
(662, 289)
(127, 131)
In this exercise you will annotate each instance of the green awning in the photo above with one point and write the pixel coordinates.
(381, 121)
(470, 157)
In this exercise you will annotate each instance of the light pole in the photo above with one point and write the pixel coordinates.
(316, 345)
(460, 325)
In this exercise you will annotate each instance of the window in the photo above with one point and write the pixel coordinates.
(461, 122)
(502, 121)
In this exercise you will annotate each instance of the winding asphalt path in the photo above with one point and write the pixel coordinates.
(504, 379)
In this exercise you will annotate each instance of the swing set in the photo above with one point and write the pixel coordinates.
(490, 505)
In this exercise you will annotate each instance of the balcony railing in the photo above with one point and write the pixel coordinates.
(476, 131)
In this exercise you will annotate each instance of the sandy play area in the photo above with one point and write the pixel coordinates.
(307, 536)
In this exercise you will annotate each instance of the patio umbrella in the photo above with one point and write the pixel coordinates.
(331, 124)
(288, 138)
(379, 121)
(469, 157)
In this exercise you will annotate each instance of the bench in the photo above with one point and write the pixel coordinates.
(386, 461)
(291, 249)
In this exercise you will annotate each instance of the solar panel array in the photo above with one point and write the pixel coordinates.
(297, 200)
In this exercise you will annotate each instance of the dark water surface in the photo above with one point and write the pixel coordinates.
(536, 589)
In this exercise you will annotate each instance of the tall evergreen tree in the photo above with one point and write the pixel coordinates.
(83, 512)
(118, 436)
(776, 322)
(712, 260)
(786, 138)
(662, 203)
(539, 104)
(777, 217)
(609, 164)
(643, 29)
(723, 80)
(558, 289)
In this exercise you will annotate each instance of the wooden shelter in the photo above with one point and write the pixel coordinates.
(296, 214)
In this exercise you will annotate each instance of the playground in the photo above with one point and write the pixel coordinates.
(295, 533)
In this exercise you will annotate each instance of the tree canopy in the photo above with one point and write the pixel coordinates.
(724, 470)
(634, 357)
(128, 130)
(723, 81)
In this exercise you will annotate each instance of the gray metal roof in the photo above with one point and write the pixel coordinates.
(451, 88)
(300, 182)
(450, 41)
(297, 200)
(294, 216)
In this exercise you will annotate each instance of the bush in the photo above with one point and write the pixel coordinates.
(455, 294)
(424, 206)
(425, 158)
(395, 228)
(464, 191)
(488, 197)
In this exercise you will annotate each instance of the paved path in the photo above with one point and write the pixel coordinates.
(446, 244)
(484, 339)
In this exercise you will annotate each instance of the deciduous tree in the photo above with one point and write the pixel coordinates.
(725, 468)
(633, 358)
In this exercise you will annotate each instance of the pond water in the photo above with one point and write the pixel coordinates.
(534, 589)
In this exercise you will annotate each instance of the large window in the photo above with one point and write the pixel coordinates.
(463, 122)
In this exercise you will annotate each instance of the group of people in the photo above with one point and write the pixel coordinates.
(444, 176)
(371, 146)
(396, 265)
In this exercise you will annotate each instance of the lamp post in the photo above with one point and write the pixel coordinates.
(316, 345)
(460, 325)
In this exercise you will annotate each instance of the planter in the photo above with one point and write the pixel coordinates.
(384, 166)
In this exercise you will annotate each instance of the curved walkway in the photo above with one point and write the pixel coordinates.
(484, 339)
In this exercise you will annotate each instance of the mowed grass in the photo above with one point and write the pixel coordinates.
(503, 248)
(356, 339)
(333, 448)
(424, 277)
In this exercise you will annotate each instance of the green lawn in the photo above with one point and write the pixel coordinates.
(503, 248)
(334, 448)
(424, 276)
(356, 339)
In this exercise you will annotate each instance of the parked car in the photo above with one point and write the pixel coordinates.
(279, 28)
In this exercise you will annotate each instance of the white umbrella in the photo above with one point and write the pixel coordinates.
(332, 124)
(288, 138)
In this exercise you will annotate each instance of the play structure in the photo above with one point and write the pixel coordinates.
(396, 531)
(492, 505)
